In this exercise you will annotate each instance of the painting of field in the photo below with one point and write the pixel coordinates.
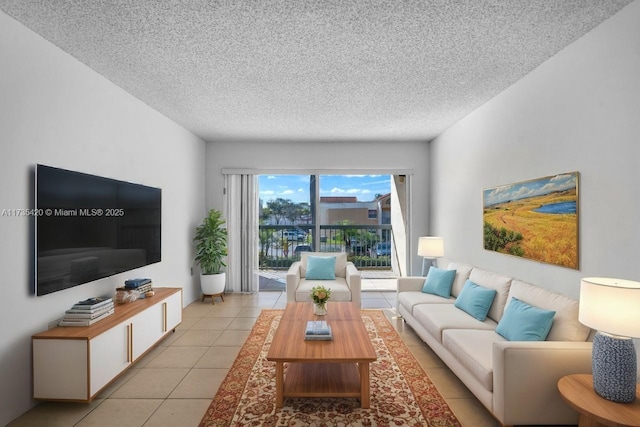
(535, 219)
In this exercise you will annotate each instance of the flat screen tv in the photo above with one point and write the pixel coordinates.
(89, 227)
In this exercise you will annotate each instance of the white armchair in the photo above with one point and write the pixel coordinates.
(345, 287)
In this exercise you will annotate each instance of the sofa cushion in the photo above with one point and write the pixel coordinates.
(436, 318)
(475, 300)
(411, 299)
(340, 291)
(341, 262)
(474, 350)
(462, 274)
(524, 322)
(321, 268)
(439, 282)
(566, 326)
(491, 280)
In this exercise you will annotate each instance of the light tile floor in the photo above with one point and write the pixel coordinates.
(174, 383)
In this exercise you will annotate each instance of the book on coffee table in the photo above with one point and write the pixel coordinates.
(318, 330)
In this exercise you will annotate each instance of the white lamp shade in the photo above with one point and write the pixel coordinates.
(610, 305)
(431, 247)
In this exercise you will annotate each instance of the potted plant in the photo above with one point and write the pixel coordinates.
(211, 249)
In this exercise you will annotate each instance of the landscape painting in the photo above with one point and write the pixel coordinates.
(536, 219)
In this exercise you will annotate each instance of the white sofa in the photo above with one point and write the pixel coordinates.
(346, 286)
(515, 380)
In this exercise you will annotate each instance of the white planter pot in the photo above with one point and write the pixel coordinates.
(212, 284)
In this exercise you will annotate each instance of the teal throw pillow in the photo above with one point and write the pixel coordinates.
(439, 282)
(321, 268)
(475, 300)
(524, 322)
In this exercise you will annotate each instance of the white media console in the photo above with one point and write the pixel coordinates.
(76, 363)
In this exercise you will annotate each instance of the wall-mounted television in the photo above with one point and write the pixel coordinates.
(89, 227)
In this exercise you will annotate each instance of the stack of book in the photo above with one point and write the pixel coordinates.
(318, 330)
(133, 289)
(88, 312)
(140, 285)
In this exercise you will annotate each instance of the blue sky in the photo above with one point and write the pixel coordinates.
(296, 187)
(523, 190)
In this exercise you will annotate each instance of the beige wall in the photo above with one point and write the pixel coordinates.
(356, 216)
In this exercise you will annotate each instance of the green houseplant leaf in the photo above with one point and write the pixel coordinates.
(211, 243)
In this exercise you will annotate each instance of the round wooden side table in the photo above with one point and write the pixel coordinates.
(595, 411)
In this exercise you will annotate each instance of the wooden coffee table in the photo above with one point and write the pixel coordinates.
(336, 368)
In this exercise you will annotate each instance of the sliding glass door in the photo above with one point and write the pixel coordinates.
(328, 213)
(354, 217)
(286, 218)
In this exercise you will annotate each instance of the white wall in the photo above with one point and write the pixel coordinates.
(310, 157)
(56, 111)
(579, 111)
(576, 112)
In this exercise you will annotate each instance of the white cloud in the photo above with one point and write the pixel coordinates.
(385, 182)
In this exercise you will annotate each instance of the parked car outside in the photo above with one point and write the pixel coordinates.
(302, 248)
(298, 235)
(358, 248)
(381, 249)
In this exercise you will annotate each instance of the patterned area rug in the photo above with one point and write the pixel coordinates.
(401, 392)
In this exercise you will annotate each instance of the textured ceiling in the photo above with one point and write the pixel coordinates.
(312, 69)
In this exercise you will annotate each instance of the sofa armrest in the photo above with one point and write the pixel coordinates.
(354, 281)
(410, 283)
(293, 280)
(525, 380)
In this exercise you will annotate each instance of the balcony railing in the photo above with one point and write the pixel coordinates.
(367, 246)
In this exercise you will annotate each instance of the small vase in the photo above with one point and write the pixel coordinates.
(320, 309)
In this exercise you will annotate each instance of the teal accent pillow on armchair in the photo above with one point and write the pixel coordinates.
(321, 268)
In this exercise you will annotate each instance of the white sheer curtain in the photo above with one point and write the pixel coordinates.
(241, 208)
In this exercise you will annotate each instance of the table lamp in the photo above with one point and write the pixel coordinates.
(430, 248)
(612, 308)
